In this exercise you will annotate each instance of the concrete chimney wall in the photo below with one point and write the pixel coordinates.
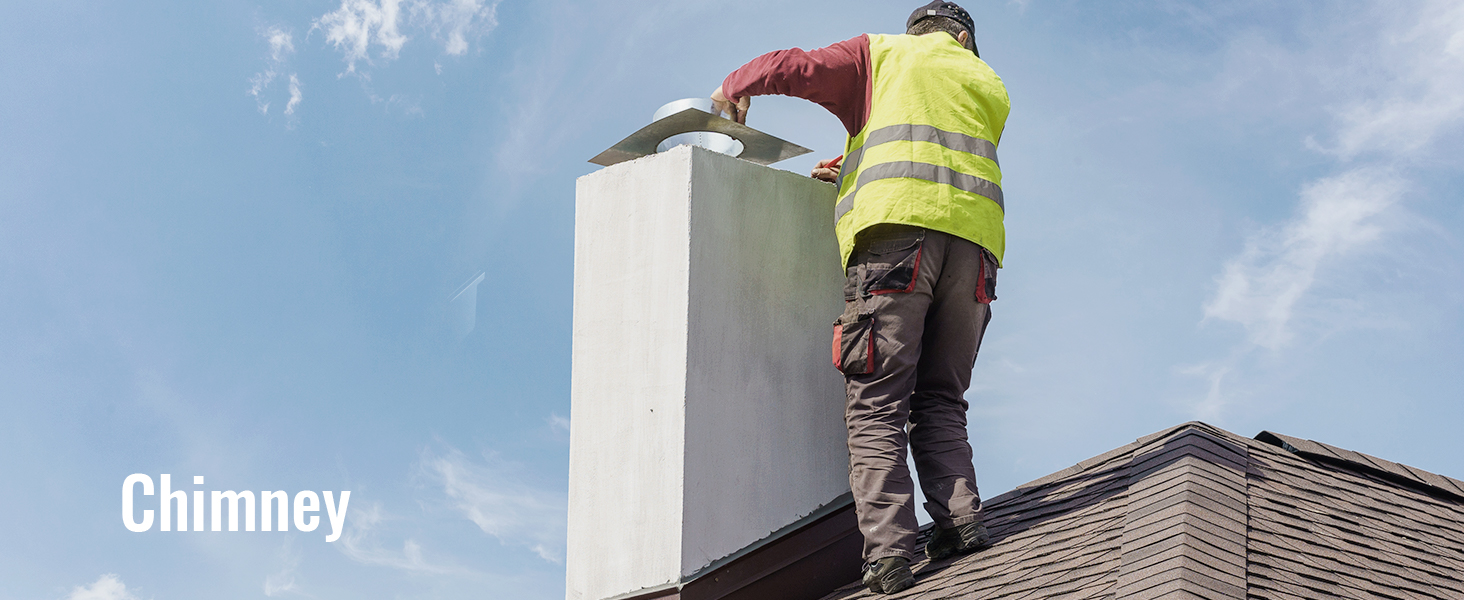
(705, 412)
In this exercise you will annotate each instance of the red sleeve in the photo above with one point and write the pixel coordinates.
(836, 77)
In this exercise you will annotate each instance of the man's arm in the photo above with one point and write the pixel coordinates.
(835, 77)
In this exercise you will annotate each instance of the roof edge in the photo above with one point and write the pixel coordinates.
(1398, 473)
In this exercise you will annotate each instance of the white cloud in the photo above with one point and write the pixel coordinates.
(488, 493)
(358, 543)
(1213, 404)
(279, 584)
(494, 498)
(358, 24)
(360, 29)
(1261, 288)
(283, 582)
(106, 587)
(456, 22)
(1398, 92)
(281, 46)
(257, 84)
(557, 422)
(1423, 75)
(295, 95)
(1405, 89)
(408, 106)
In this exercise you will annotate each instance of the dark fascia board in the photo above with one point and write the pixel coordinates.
(802, 561)
(1410, 477)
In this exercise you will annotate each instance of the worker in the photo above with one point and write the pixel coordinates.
(919, 224)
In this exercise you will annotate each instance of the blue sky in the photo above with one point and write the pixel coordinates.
(230, 232)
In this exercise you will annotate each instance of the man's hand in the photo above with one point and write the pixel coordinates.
(735, 110)
(828, 170)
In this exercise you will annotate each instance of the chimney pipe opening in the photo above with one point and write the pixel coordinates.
(711, 140)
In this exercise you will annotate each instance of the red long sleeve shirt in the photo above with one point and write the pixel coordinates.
(836, 77)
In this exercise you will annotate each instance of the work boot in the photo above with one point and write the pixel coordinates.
(888, 575)
(956, 540)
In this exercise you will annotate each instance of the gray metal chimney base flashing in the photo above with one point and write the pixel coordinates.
(758, 147)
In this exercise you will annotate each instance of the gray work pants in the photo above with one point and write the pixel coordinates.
(916, 308)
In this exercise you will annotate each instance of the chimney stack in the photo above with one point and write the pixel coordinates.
(707, 454)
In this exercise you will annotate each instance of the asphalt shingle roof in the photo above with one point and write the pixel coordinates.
(1199, 512)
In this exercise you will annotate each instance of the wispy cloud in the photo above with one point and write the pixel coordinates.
(456, 22)
(281, 44)
(1210, 407)
(364, 31)
(257, 84)
(1260, 289)
(359, 544)
(490, 492)
(558, 423)
(1405, 90)
(283, 581)
(358, 25)
(281, 47)
(492, 495)
(295, 95)
(106, 587)
(1424, 67)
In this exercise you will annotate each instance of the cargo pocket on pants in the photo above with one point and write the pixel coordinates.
(891, 264)
(854, 344)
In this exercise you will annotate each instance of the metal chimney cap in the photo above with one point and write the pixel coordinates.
(757, 147)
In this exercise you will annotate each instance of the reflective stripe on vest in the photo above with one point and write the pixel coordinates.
(926, 156)
(951, 140)
(919, 133)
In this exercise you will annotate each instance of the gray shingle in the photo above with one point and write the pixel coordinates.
(1197, 512)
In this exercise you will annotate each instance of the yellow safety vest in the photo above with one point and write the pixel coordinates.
(927, 156)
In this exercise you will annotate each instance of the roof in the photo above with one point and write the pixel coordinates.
(1198, 512)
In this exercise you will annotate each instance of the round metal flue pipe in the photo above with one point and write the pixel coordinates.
(711, 140)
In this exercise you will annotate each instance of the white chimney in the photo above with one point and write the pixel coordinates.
(707, 453)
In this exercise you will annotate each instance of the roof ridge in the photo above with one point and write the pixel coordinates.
(1186, 514)
(1109, 457)
(1401, 474)
(1183, 533)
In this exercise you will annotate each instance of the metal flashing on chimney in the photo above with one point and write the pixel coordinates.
(758, 147)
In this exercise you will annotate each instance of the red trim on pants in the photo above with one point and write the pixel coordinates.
(838, 346)
(981, 295)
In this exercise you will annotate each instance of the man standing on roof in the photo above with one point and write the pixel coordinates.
(919, 223)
